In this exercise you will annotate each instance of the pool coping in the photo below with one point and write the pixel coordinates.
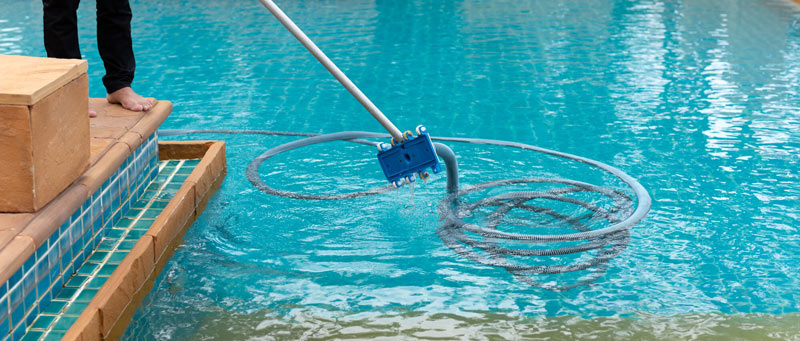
(111, 309)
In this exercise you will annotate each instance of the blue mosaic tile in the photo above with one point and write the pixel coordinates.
(55, 307)
(15, 278)
(98, 256)
(30, 316)
(64, 322)
(116, 257)
(42, 268)
(15, 296)
(57, 284)
(28, 266)
(66, 294)
(126, 245)
(77, 251)
(19, 332)
(4, 327)
(40, 252)
(63, 245)
(16, 315)
(143, 224)
(52, 255)
(76, 281)
(96, 282)
(125, 206)
(87, 268)
(43, 287)
(124, 222)
(116, 216)
(28, 283)
(3, 309)
(107, 270)
(115, 233)
(32, 335)
(39, 283)
(135, 234)
(66, 262)
(86, 295)
(75, 308)
(108, 244)
(179, 178)
(30, 299)
(96, 239)
(45, 298)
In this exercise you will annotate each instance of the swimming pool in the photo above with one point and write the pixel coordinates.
(696, 99)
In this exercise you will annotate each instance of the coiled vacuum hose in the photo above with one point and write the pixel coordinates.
(484, 244)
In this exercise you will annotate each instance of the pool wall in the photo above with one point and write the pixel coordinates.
(40, 279)
(109, 312)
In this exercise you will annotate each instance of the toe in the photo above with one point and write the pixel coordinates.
(135, 107)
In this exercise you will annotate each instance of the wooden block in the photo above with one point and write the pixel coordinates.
(26, 80)
(60, 125)
(16, 154)
(41, 160)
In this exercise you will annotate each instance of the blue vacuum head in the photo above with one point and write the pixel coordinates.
(408, 158)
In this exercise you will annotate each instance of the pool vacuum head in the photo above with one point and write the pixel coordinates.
(403, 159)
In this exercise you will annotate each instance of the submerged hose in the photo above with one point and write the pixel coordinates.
(485, 244)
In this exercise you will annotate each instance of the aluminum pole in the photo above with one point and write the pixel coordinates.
(328, 64)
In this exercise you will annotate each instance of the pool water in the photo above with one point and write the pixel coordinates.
(696, 99)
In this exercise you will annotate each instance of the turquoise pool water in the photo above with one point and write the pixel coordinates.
(696, 99)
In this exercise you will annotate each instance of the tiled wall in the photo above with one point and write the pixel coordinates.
(119, 240)
(31, 289)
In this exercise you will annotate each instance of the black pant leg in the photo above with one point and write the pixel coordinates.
(114, 43)
(61, 28)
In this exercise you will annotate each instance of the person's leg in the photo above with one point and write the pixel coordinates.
(61, 31)
(116, 49)
(61, 28)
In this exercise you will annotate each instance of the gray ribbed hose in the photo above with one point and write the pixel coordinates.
(485, 244)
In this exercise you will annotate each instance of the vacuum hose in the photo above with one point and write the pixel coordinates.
(586, 248)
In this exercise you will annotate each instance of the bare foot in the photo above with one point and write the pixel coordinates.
(92, 112)
(129, 100)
